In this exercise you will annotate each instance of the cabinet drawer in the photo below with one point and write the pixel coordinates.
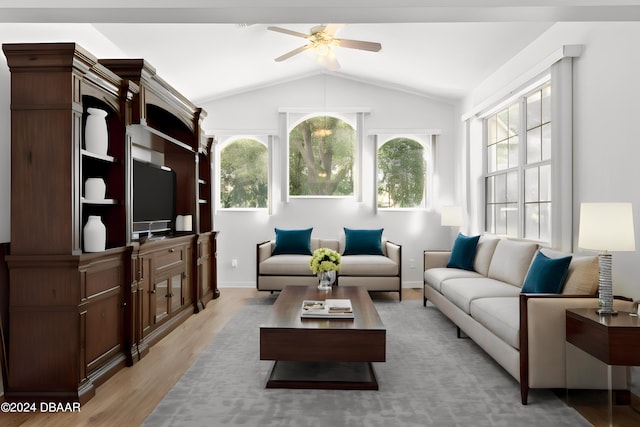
(169, 259)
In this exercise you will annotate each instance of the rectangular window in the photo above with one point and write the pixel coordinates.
(518, 168)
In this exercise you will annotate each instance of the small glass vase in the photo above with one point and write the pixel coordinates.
(326, 279)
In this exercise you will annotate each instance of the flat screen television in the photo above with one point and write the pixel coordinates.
(154, 192)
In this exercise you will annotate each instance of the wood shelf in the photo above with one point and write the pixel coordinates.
(106, 202)
(104, 158)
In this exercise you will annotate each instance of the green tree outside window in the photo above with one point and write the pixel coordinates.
(244, 175)
(401, 174)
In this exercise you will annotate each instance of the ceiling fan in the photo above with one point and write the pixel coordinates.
(321, 40)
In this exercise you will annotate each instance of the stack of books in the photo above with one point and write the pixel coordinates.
(329, 308)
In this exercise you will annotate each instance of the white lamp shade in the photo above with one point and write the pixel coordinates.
(451, 215)
(607, 227)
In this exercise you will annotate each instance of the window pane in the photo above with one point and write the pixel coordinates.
(491, 158)
(490, 220)
(401, 174)
(546, 141)
(532, 221)
(244, 175)
(491, 130)
(501, 219)
(502, 125)
(534, 113)
(514, 158)
(512, 220)
(514, 119)
(501, 188)
(534, 148)
(502, 155)
(545, 183)
(512, 187)
(321, 157)
(545, 222)
(531, 189)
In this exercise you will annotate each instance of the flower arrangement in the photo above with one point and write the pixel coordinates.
(324, 259)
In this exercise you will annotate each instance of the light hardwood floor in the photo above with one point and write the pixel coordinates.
(131, 394)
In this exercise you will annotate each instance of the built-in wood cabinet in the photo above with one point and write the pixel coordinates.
(76, 317)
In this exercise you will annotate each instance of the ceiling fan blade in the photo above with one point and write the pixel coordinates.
(359, 44)
(290, 32)
(293, 52)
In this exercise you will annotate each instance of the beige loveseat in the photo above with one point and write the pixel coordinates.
(381, 273)
(524, 333)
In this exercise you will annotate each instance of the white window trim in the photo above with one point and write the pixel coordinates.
(290, 117)
(427, 138)
(224, 138)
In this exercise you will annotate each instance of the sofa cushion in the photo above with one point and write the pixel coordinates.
(435, 276)
(500, 315)
(463, 252)
(546, 275)
(484, 253)
(582, 276)
(462, 292)
(367, 265)
(511, 260)
(363, 242)
(295, 241)
(286, 265)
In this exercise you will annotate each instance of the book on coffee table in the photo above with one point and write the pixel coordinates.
(329, 308)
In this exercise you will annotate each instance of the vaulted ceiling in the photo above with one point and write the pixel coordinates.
(211, 49)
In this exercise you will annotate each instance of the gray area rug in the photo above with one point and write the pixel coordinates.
(430, 378)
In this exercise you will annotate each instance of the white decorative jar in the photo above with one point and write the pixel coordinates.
(95, 235)
(96, 135)
(95, 189)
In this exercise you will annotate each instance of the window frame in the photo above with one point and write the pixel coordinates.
(427, 142)
(264, 140)
(354, 121)
(520, 99)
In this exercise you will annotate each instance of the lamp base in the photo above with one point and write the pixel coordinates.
(605, 312)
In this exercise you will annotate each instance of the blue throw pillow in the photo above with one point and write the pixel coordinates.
(463, 252)
(295, 242)
(546, 275)
(363, 242)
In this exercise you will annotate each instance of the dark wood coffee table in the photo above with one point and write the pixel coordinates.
(323, 353)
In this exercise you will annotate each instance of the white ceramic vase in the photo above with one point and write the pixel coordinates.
(95, 235)
(95, 189)
(96, 135)
(326, 279)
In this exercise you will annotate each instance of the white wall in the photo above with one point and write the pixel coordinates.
(606, 112)
(415, 230)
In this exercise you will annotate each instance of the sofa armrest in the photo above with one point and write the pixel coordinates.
(542, 338)
(263, 250)
(435, 259)
(394, 252)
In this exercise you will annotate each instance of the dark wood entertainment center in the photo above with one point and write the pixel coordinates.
(76, 317)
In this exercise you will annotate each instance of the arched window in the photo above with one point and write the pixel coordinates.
(244, 177)
(321, 157)
(402, 171)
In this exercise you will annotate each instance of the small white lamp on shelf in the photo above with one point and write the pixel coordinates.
(606, 227)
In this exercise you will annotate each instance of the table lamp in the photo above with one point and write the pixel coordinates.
(606, 227)
(452, 216)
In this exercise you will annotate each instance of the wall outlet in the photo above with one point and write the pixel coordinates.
(234, 263)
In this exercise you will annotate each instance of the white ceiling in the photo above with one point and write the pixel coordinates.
(440, 48)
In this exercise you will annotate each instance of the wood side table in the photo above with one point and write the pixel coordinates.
(612, 339)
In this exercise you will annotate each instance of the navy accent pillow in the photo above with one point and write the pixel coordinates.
(546, 275)
(296, 241)
(363, 242)
(463, 252)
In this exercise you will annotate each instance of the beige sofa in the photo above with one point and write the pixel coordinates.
(524, 333)
(378, 273)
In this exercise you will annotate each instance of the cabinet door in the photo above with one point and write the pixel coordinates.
(175, 294)
(159, 299)
(148, 295)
